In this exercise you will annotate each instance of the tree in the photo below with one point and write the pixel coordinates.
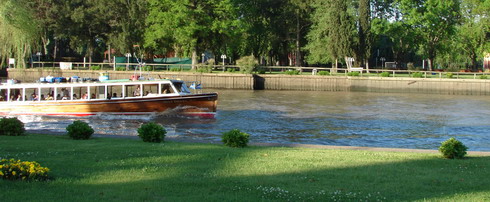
(435, 20)
(332, 33)
(126, 20)
(191, 25)
(364, 32)
(18, 31)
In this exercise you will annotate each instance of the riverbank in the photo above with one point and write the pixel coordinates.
(447, 86)
(127, 169)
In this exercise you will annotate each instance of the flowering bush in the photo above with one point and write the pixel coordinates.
(11, 169)
(11, 127)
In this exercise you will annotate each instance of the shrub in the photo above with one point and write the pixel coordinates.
(152, 132)
(95, 67)
(353, 74)
(175, 69)
(147, 68)
(247, 64)
(385, 74)
(292, 72)
(410, 66)
(120, 68)
(231, 70)
(453, 148)
(261, 70)
(417, 75)
(449, 75)
(323, 73)
(483, 77)
(11, 169)
(79, 130)
(235, 138)
(205, 69)
(11, 127)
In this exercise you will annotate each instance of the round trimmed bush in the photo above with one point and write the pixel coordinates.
(152, 132)
(235, 138)
(79, 130)
(453, 148)
(11, 127)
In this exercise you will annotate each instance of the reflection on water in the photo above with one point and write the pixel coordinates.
(328, 118)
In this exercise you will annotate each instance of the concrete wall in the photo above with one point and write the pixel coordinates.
(288, 82)
(227, 81)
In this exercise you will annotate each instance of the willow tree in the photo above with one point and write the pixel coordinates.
(18, 31)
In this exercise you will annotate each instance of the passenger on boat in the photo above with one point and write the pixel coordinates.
(114, 95)
(34, 97)
(50, 97)
(136, 92)
(42, 96)
(75, 96)
(85, 96)
(92, 96)
(19, 97)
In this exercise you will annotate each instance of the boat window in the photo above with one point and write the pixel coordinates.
(133, 91)
(3, 95)
(167, 88)
(15, 95)
(46, 94)
(80, 93)
(31, 94)
(149, 89)
(181, 87)
(115, 91)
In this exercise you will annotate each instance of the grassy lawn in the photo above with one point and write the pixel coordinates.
(131, 170)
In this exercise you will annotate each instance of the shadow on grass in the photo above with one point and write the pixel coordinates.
(109, 169)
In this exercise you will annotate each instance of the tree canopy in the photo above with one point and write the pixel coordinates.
(447, 33)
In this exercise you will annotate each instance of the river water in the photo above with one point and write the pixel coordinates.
(417, 121)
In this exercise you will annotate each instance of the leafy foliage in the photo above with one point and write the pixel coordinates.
(453, 148)
(292, 72)
(323, 73)
(385, 74)
(11, 169)
(483, 77)
(11, 127)
(235, 138)
(152, 132)
(95, 67)
(449, 75)
(247, 64)
(417, 75)
(353, 74)
(79, 130)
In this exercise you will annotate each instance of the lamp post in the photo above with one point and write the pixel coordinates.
(223, 57)
(128, 55)
(38, 56)
(203, 58)
(382, 62)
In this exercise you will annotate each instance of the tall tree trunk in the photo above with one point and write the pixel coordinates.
(194, 59)
(298, 61)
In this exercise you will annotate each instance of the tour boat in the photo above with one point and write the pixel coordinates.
(109, 97)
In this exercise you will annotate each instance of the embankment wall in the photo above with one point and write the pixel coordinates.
(288, 82)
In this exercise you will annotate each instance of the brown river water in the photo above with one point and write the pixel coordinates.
(417, 121)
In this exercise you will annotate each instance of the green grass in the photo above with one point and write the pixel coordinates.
(103, 169)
